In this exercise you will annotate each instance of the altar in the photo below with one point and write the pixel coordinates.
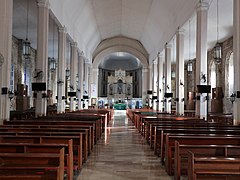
(119, 106)
(119, 87)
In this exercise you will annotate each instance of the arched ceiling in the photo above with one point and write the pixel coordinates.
(120, 60)
(151, 22)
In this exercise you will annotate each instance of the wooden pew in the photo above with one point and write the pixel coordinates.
(101, 119)
(146, 121)
(77, 142)
(62, 122)
(106, 112)
(32, 165)
(213, 167)
(200, 139)
(221, 118)
(42, 148)
(57, 128)
(181, 155)
(155, 128)
(159, 142)
(50, 132)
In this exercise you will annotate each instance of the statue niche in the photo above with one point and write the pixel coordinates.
(120, 86)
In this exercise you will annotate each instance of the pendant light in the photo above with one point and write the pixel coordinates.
(218, 48)
(26, 43)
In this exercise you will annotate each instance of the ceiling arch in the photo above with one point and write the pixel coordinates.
(120, 44)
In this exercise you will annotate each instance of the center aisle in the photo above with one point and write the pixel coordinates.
(122, 154)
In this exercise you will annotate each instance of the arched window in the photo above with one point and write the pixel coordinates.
(213, 75)
(231, 75)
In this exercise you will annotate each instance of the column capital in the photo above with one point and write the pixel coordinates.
(167, 45)
(62, 29)
(95, 70)
(160, 55)
(43, 3)
(145, 70)
(202, 6)
(155, 61)
(74, 44)
(81, 54)
(87, 61)
(180, 31)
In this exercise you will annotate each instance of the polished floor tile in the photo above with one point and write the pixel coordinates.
(122, 154)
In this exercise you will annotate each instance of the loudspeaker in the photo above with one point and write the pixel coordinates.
(149, 92)
(44, 95)
(238, 94)
(39, 86)
(154, 97)
(203, 88)
(4, 90)
(85, 97)
(168, 95)
(72, 94)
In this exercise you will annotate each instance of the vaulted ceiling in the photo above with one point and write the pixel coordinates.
(152, 22)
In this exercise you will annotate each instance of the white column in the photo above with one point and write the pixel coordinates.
(150, 81)
(93, 92)
(150, 70)
(160, 82)
(6, 15)
(88, 85)
(80, 80)
(61, 70)
(168, 81)
(201, 57)
(42, 54)
(54, 86)
(236, 51)
(86, 76)
(145, 79)
(180, 72)
(154, 82)
(73, 75)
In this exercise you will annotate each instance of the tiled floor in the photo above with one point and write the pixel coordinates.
(122, 155)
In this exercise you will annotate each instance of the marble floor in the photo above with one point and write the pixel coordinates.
(122, 154)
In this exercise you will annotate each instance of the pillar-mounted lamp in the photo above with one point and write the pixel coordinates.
(189, 66)
(232, 97)
(52, 63)
(67, 73)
